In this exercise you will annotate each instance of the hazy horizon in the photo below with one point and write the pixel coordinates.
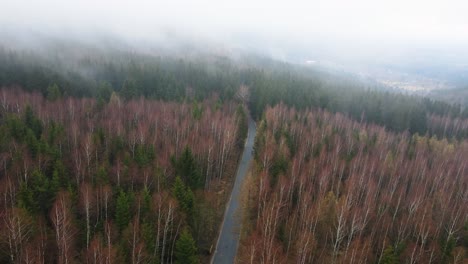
(393, 25)
(427, 37)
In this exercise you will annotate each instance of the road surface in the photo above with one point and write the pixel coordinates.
(228, 240)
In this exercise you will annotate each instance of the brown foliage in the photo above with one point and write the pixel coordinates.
(351, 190)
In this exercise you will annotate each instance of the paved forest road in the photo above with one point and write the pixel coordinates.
(228, 240)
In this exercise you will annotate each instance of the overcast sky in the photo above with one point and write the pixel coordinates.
(368, 22)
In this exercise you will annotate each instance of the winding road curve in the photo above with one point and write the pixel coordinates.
(228, 240)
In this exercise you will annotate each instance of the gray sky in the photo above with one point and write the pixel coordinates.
(370, 23)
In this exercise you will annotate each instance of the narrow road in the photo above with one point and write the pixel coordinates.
(228, 240)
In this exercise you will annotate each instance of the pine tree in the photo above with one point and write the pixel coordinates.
(38, 194)
(122, 210)
(187, 168)
(389, 256)
(53, 92)
(184, 196)
(146, 203)
(242, 125)
(129, 90)
(32, 122)
(186, 250)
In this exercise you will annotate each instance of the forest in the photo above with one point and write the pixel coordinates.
(82, 71)
(137, 181)
(122, 156)
(329, 189)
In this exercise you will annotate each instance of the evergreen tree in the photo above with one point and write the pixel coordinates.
(188, 170)
(146, 203)
(186, 250)
(122, 210)
(104, 92)
(197, 111)
(389, 256)
(53, 92)
(129, 89)
(242, 125)
(184, 196)
(32, 122)
(37, 195)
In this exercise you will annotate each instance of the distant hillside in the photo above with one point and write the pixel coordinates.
(97, 70)
(454, 96)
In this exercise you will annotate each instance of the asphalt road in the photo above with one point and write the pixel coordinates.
(228, 240)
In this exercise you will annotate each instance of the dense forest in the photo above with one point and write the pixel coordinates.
(137, 181)
(118, 156)
(91, 72)
(329, 189)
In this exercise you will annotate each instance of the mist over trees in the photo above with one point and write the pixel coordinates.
(124, 155)
(85, 72)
